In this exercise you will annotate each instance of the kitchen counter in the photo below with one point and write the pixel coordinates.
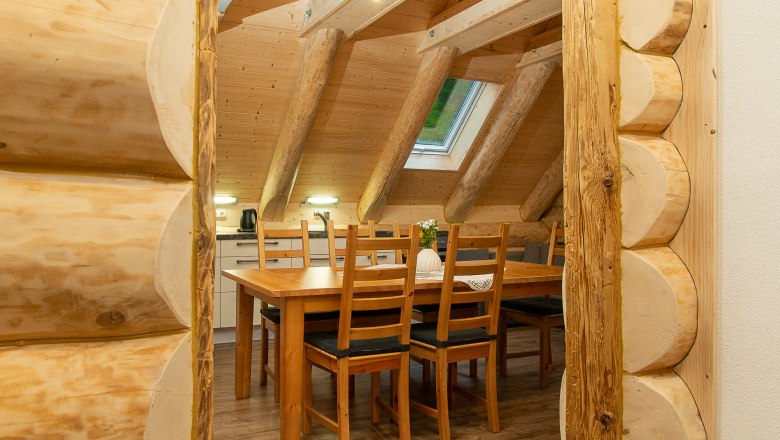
(253, 235)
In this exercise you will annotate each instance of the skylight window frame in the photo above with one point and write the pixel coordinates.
(466, 109)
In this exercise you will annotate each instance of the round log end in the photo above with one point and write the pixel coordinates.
(655, 190)
(659, 309)
(651, 91)
(173, 261)
(659, 406)
(657, 26)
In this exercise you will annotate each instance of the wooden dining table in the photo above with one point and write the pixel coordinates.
(318, 289)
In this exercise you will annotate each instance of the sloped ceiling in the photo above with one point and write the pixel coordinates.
(259, 57)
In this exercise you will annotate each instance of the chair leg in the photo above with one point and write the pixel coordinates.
(426, 371)
(544, 353)
(502, 343)
(306, 395)
(263, 352)
(441, 394)
(402, 390)
(342, 396)
(491, 395)
(277, 362)
(473, 368)
(375, 383)
(452, 377)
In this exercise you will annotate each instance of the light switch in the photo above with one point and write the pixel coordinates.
(221, 214)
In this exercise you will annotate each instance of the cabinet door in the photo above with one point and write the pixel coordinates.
(228, 310)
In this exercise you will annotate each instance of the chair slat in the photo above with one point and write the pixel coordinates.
(478, 242)
(394, 273)
(381, 331)
(475, 268)
(469, 323)
(286, 253)
(472, 297)
(283, 233)
(376, 244)
(381, 303)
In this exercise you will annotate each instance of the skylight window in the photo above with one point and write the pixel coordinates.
(449, 114)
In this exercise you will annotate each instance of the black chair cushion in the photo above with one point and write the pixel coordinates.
(274, 315)
(426, 333)
(535, 306)
(328, 342)
(435, 307)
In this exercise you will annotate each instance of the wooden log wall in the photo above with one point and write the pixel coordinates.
(106, 279)
(659, 296)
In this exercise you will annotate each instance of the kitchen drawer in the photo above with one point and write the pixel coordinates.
(228, 310)
(318, 246)
(229, 263)
(385, 257)
(247, 248)
(360, 260)
(320, 260)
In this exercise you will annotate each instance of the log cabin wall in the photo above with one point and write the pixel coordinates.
(261, 53)
(108, 239)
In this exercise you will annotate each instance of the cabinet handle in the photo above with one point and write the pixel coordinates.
(246, 243)
(339, 258)
(381, 256)
(320, 259)
(245, 261)
(272, 243)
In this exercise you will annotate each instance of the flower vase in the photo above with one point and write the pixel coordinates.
(428, 261)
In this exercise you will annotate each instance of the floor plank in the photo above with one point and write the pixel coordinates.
(526, 411)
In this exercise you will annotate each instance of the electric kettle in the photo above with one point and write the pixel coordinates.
(248, 220)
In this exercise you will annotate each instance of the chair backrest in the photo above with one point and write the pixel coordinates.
(491, 296)
(398, 232)
(382, 294)
(264, 254)
(557, 236)
(334, 253)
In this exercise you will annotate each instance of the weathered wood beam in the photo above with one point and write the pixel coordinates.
(488, 21)
(543, 194)
(551, 52)
(594, 362)
(527, 87)
(430, 77)
(317, 62)
(348, 15)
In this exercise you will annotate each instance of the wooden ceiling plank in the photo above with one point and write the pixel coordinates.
(527, 88)
(320, 53)
(348, 15)
(418, 103)
(542, 196)
(548, 52)
(488, 21)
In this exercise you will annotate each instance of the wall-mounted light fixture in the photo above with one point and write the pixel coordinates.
(225, 200)
(321, 200)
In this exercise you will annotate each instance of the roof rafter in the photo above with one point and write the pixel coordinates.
(488, 21)
(348, 15)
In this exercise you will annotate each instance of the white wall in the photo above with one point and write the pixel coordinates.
(749, 110)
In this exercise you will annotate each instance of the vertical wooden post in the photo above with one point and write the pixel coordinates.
(317, 63)
(594, 403)
(205, 223)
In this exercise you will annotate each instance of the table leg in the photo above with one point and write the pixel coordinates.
(245, 305)
(291, 370)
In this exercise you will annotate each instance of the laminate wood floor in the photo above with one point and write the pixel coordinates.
(526, 411)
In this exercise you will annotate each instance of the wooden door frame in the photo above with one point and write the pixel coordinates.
(594, 381)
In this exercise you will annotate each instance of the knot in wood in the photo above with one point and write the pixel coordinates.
(606, 421)
(110, 319)
(431, 33)
(308, 12)
(609, 180)
(3, 145)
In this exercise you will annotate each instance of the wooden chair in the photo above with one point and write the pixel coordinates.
(398, 232)
(367, 349)
(335, 254)
(270, 316)
(450, 340)
(544, 313)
